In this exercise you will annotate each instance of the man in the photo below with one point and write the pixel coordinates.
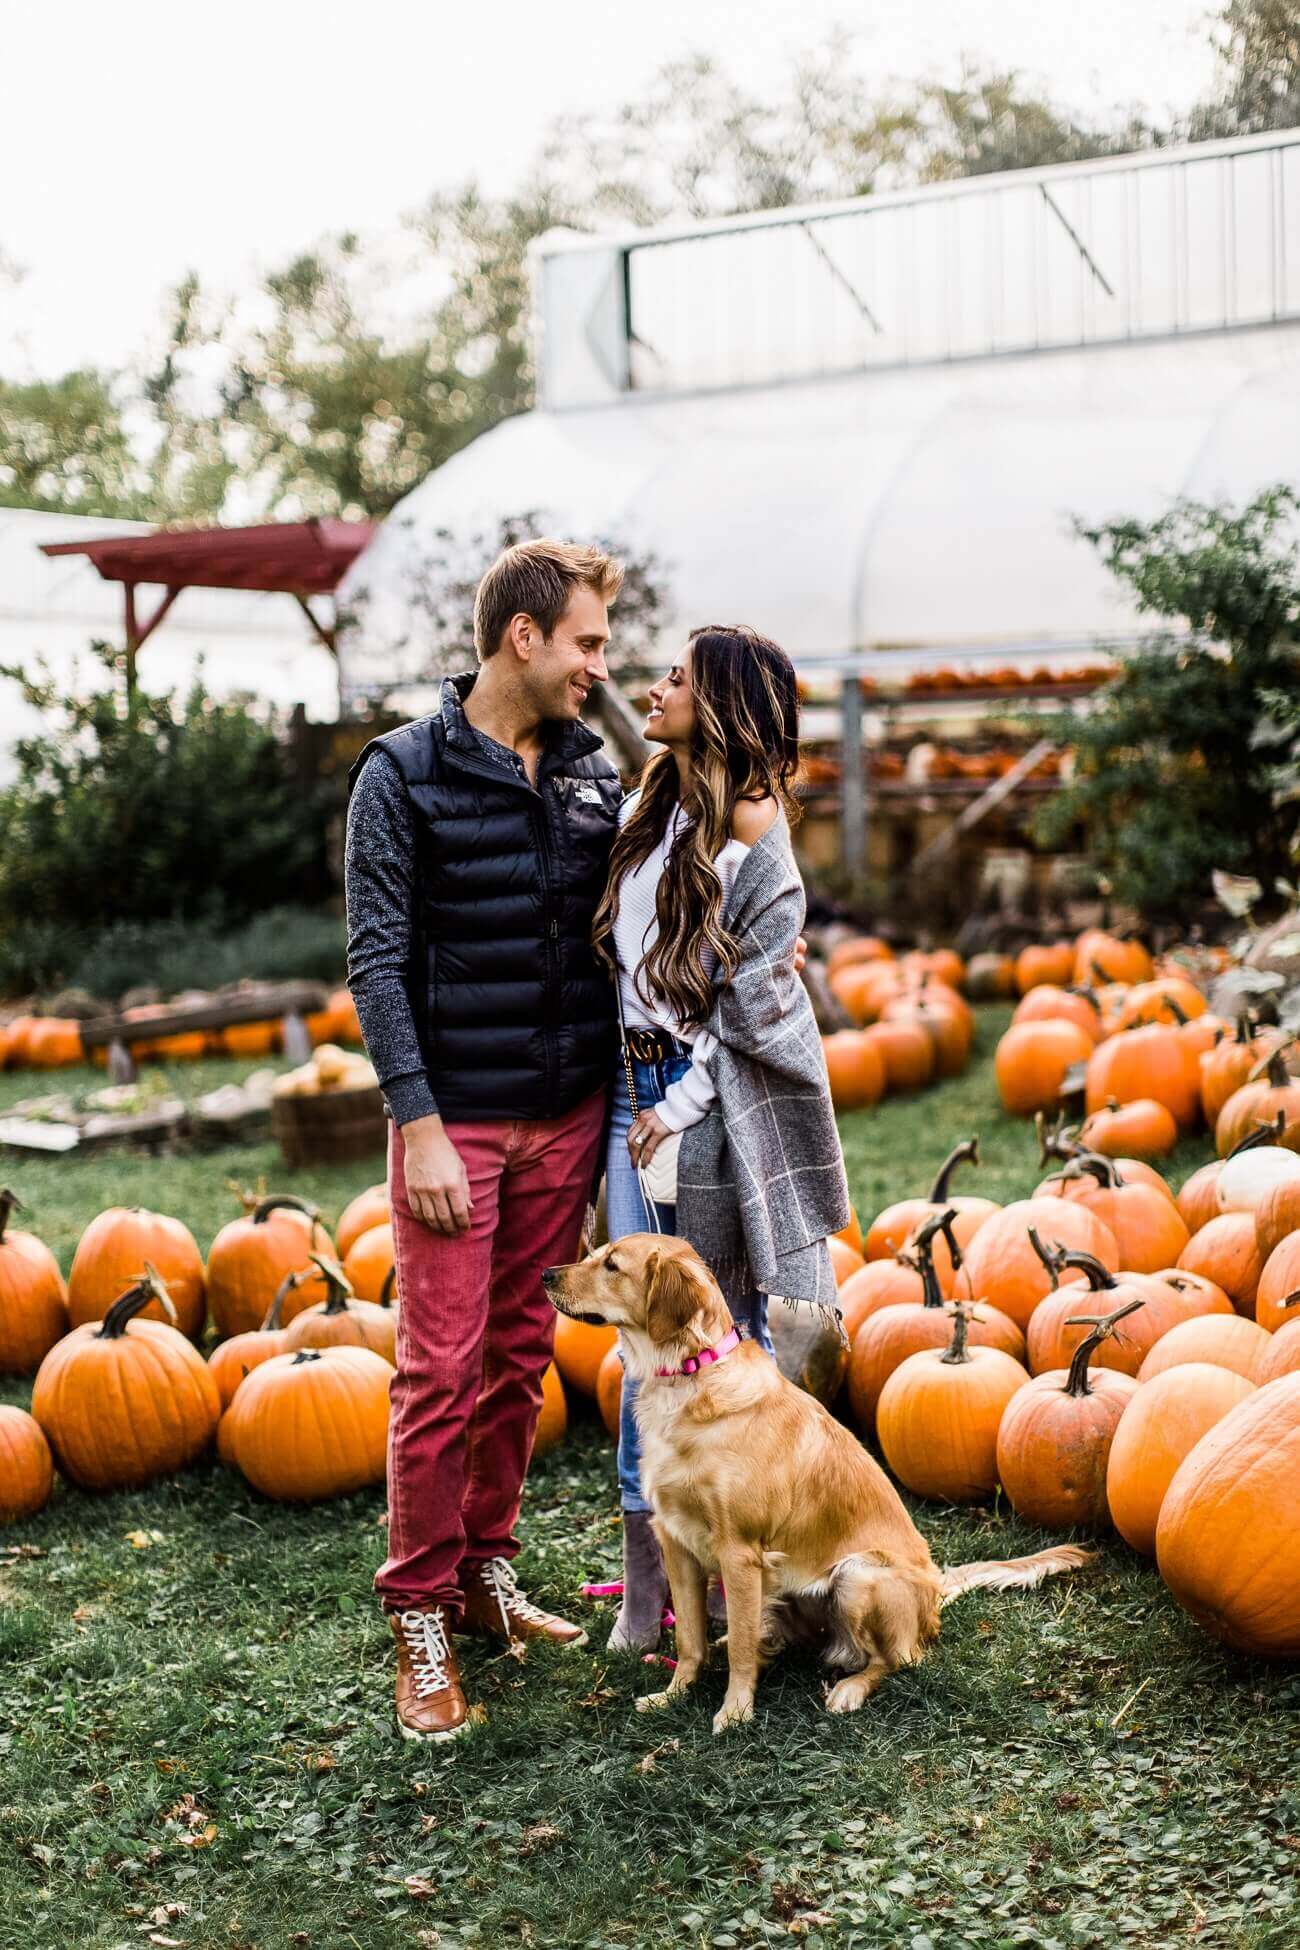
(477, 849)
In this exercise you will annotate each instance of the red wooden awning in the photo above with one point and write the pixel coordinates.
(295, 558)
(301, 559)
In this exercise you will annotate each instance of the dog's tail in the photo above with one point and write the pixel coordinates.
(1012, 1573)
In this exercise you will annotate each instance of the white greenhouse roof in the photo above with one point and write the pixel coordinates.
(923, 509)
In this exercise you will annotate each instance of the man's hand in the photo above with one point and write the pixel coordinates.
(800, 955)
(437, 1184)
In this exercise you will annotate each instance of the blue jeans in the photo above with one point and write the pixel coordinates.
(625, 1212)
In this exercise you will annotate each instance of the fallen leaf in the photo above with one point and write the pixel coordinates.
(203, 1838)
(321, 1763)
(542, 1836)
(418, 1887)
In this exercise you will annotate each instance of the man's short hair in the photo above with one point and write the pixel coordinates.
(537, 579)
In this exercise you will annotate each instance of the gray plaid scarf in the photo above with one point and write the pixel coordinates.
(760, 1180)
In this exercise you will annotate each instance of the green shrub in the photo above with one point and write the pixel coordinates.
(283, 943)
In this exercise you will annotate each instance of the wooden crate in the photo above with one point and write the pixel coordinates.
(336, 1127)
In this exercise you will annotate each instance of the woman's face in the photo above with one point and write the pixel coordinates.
(671, 718)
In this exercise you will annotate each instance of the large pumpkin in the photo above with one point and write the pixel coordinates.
(113, 1252)
(1258, 1102)
(1283, 1356)
(1031, 1062)
(1277, 1215)
(1198, 1295)
(553, 1420)
(1100, 957)
(1223, 1340)
(370, 1262)
(895, 1224)
(33, 1299)
(1141, 1128)
(1226, 1541)
(1148, 1229)
(854, 1069)
(1055, 1435)
(1164, 1422)
(125, 1400)
(609, 1392)
(249, 1258)
(1052, 1004)
(1167, 998)
(1227, 1252)
(343, 1320)
(1226, 1067)
(1002, 1266)
(230, 1361)
(880, 1283)
(368, 1208)
(1198, 1196)
(907, 1052)
(1041, 963)
(1148, 1308)
(313, 1424)
(938, 1416)
(26, 1466)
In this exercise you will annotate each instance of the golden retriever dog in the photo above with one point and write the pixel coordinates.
(752, 1478)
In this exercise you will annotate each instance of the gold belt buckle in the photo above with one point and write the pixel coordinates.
(643, 1045)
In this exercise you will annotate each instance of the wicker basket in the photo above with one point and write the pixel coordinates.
(332, 1129)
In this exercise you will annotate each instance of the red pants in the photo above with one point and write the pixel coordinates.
(474, 1334)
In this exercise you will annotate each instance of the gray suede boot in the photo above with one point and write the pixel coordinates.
(645, 1587)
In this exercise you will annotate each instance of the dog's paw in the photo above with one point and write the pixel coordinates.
(848, 1695)
(651, 1702)
(733, 1713)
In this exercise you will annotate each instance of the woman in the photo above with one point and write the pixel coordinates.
(700, 920)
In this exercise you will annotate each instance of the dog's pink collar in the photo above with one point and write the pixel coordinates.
(706, 1358)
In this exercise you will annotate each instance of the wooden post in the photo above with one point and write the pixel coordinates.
(132, 639)
(853, 777)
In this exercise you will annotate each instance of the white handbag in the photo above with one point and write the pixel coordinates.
(658, 1179)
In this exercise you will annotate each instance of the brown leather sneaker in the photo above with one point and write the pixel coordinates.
(494, 1604)
(430, 1702)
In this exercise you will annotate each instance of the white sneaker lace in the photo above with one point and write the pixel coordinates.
(498, 1575)
(425, 1633)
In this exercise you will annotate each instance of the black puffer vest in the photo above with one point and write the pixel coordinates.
(516, 1017)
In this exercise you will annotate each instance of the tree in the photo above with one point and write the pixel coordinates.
(1173, 778)
(64, 448)
(1259, 64)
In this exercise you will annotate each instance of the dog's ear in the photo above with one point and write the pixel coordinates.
(672, 1295)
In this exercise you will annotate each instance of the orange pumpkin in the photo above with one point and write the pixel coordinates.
(125, 1400)
(370, 1262)
(1148, 1230)
(33, 1299)
(897, 1224)
(1227, 1252)
(1276, 1216)
(1101, 957)
(1145, 1062)
(113, 1252)
(1198, 1198)
(1278, 1280)
(250, 1038)
(368, 1208)
(1226, 1067)
(939, 1412)
(1223, 1340)
(906, 1051)
(949, 1037)
(890, 1334)
(1161, 1426)
(1167, 998)
(249, 1258)
(609, 1392)
(990, 978)
(863, 990)
(1257, 1102)
(230, 1361)
(1051, 1004)
(1060, 1322)
(1198, 1295)
(579, 1350)
(858, 949)
(1031, 1062)
(880, 1283)
(26, 1466)
(851, 1234)
(1142, 1127)
(312, 1424)
(54, 1043)
(343, 1320)
(1040, 964)
(844, 1261)
(1054, 1439)
(1002, 1266)
(1283, 1355)
(854, 1068)
(1226, 1540)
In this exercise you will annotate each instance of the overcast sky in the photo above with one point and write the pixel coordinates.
(145, 138)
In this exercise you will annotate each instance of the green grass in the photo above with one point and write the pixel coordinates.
(1078, 1766)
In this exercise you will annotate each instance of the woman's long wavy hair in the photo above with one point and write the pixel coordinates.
(746, 746)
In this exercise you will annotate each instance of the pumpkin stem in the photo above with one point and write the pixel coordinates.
(1245, 1029)
(1290, 1299)
(1104, 1170)
(1176, 1009)
(958, 1353)
(289, 1284)
(967, 1152)
(1089, 996)
(286, 1202)
(306, 1354)
(1099, 1276)
(340, 1288)
(923, 1246)
(1272, 1065)
(1266, 1131)
(1103, 1326)
(1052, 1257)
(390, 1282)
(136, 1298)
(1056, 1142)
(9, 1203)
